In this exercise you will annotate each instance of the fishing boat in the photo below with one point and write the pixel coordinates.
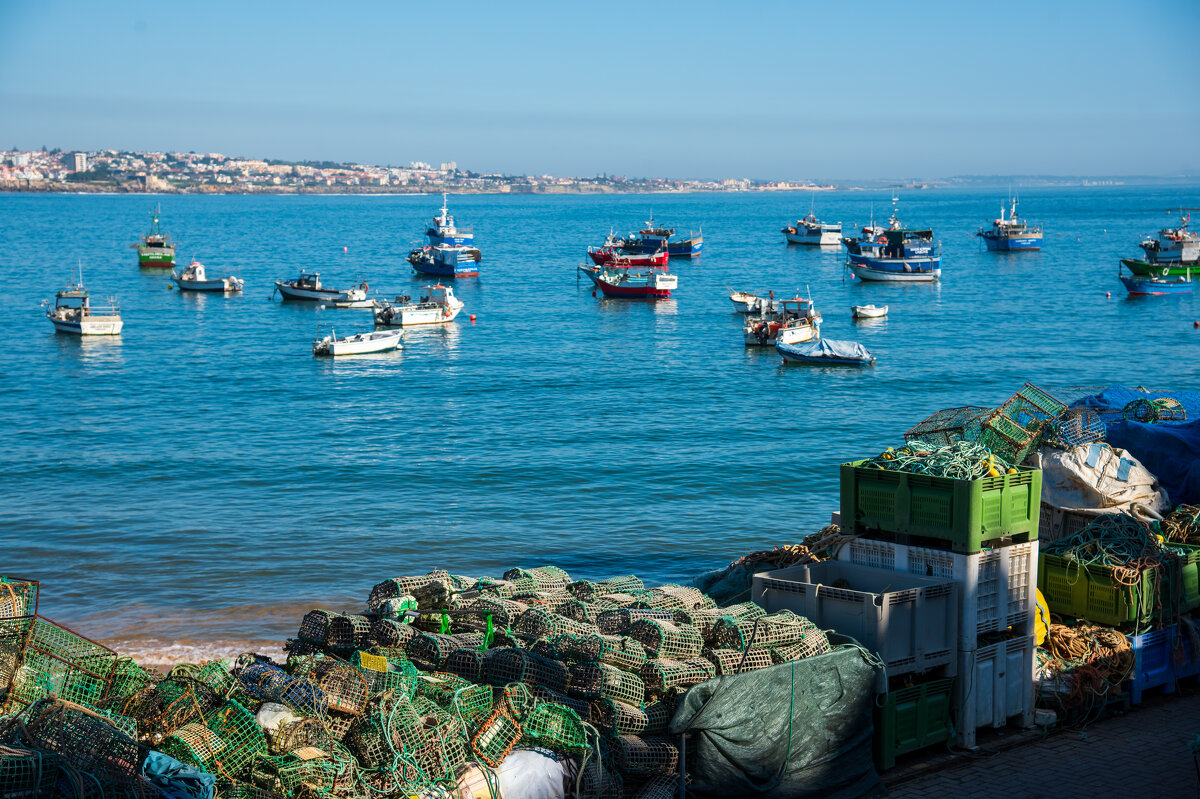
(896, 255)
(444, 231)
(654, 237)
(609, 254)
(308, 288)
(868, 311)
(1169, 253)
(436, 308)
(445, 260)
(358, 344)
(811, 230)
(195, 278)
(155, 250)
(73, 312)
(628, 282)
(826, 351)
(1153, 285)
(1011, 234)
(793, 320)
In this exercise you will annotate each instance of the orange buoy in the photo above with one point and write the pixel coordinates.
(1108, 294)
(472, 317)
(1196, 324)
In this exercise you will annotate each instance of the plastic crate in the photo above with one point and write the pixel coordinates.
(910, 621)
(1189, 566)
(1153, 663)
(968, 515)
(1092, 593)
(994, 687)
(910, 719)
(1055, 523)
(996, 588)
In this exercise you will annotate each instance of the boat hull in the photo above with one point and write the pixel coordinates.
(1147, 287)
(603, 257)
(655, 286)
(94, 326)
(688, 248)
(801, 354)
(156, 257)
(1020, 243)
(470, 269)
(896, 270)
(290, 292)
(825, 239)
(361, 344)
(1146, 269)
(412, 317)
(224, 285)
(867, 312)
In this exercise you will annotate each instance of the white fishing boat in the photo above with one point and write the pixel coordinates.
(358, 344)
(744, 302)
(308, 287)
(438, 307)
(195, 278)
(73, 312)
(350, 302)
(868, 311)
(795, 319)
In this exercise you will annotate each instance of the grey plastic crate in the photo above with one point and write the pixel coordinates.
(909, 620)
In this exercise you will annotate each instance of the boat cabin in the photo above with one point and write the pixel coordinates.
(308, 281)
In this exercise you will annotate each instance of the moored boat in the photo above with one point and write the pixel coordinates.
(826, 351)
(308, 287)
(444, 260)
(897, 255)
(444, 231)
(628, 282)
(609, 254)
(1154, 285)
(438, 307)
(744, 302)
(1011, 234)
(654, 237)
(793, 320)
(811, 230)
(358, 344)
(1176, 245)
(155, 250)
(195, 278)
(349, 302)
(868, 311)
(73, 312)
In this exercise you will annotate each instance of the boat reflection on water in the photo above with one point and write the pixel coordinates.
(93, 351)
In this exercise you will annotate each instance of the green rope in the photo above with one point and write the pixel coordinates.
(962, 460)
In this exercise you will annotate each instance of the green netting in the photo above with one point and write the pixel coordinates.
(244, 740)
(766, 632)
(396, 656)
(591, 591)
(473, 703)
(735, 661)
(504, 611)
(77, 669)
(292, 773)
(646, 755)
(344, 686)
(622, 652)
(501, 589)
(18, 597)
(582, 707)
(128, 679)
(87, 741)
(194, 744)
(554, 727)
(664, 639)
(496, 737)
(428, 651)
(504, 666)
(545, 577)
(167, 706)
(602, 681)
(244, 790)
(338, 724)
(619, 620)
(690, 598)
(662, 674)
(618, 718)
(28, 773)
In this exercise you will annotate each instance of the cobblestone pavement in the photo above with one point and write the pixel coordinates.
(1142, 753)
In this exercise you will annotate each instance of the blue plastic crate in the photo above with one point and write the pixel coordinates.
(1153, 663)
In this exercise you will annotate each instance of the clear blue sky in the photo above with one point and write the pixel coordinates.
(701, 89)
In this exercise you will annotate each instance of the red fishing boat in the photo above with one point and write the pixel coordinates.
(619, 281)
(609, 254)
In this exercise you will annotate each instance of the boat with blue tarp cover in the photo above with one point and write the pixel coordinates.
(1011, 234)
(896, 255)
(446, 260)
(827, 351)
(444, 231)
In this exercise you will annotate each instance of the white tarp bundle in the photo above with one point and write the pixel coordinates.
(1099, 479)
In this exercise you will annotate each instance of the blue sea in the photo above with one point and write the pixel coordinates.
(202, 480)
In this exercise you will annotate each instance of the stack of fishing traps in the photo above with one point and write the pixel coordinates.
(424, 693)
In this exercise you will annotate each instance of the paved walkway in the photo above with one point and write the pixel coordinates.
(1142, 753)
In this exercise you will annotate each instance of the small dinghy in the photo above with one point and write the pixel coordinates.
(868, 311)
(349, 302)
(194, 278)
(358, 344)
(744, 302)
(828, 351)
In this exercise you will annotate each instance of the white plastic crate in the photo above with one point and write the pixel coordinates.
(997, 588)
(910, 621)
(994, 686)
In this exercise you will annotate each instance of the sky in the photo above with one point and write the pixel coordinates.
(764, 90)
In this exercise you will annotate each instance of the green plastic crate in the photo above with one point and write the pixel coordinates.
(1189, 597)
(1092, 593)
(911, 719)
(969, 515)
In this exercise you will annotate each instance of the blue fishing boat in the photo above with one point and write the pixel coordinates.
(444, 231)
(895, 255)
(1154, 285)
(826, 351)
(654, 237)
(1011, 234)
(444, 260)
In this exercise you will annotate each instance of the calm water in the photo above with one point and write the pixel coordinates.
(204, 479)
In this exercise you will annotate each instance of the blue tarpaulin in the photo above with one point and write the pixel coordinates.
(1170, 450)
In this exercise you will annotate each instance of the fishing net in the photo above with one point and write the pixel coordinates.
(391, 633)
(950, 425)
(1150, 411)
(467, 663)
(344, 686)
(504, 611)
(244, 790)
(602, 681)
(338, 724)
(500, 589)
(540, 693)
(428, 651)
(18, 597)
(815, 642)
(734, 661)
(496, 737)
(194, 744)
(619, 620)
(299, 649)
(169, 705)
(658, 786)
(544, 647)
(648, 755)
(28, 773)
(347, 633)
(598, 781)
(583, 611)
(396, 657)
(1182, 526)
(267, 682)
(1074, 427)
(554, 727)
(506, 666)
(661, 674)
(401, 586)
(962, 460)
(434, 595)
(314, 627)
(765, 632)
(546, 578)
(1083, 663)
(86, 741)
(664, 639)
(622, 652)
(306, 770)
(687, 597)
(618, 718)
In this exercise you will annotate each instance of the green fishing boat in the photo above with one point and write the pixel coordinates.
(1161, 269)
(156, 250)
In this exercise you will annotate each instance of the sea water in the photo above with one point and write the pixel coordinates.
(202, 480)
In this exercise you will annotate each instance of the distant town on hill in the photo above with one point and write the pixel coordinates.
(110, 171)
